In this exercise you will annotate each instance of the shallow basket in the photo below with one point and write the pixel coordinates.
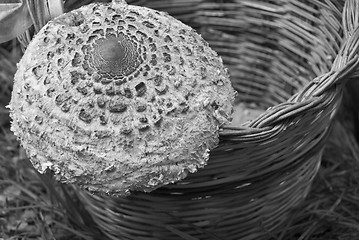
(290, 58)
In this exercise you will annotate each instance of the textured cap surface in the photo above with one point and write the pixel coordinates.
(115, 97)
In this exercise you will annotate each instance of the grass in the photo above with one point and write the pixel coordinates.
(331, 209)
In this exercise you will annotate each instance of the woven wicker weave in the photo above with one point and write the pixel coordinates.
(286, 57)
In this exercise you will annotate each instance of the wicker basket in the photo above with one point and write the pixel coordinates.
(285, 56)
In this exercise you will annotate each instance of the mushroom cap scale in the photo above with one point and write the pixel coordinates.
(117, 98)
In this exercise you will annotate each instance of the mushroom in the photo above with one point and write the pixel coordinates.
(118, 98)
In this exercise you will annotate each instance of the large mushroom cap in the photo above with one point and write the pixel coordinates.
(115, 97)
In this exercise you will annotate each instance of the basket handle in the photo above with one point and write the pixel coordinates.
(350, 19)
(345, 66)
(350, 48)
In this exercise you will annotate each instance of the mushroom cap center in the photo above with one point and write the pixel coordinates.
(111, 50)
(115, 56)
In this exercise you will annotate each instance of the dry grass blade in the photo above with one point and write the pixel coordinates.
(8, 59)
(25, 38)
(40, 12)
(28, 210)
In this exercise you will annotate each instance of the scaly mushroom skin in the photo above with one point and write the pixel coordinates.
(115, 97)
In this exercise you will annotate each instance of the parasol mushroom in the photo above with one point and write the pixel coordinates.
(117, 98)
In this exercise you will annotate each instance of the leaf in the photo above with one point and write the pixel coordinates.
(14, 19)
